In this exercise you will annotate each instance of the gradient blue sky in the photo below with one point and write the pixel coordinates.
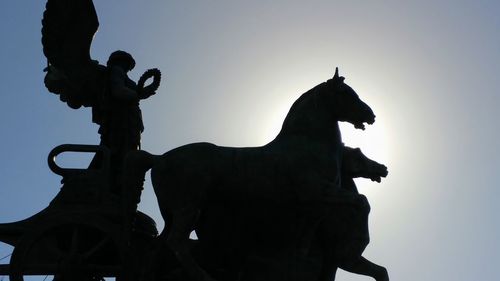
(231, 69)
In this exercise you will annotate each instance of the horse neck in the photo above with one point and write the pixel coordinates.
(348, 184)
(308, 118)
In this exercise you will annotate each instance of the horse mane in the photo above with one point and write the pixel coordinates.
(297, 107)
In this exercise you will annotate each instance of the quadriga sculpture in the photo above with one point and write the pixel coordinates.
(224, 251)
(277, 193)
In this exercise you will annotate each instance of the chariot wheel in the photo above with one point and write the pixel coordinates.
(82, 250)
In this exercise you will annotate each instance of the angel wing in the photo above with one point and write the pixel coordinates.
(68, 27)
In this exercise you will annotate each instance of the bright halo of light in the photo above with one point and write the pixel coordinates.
(274, 121)
(281, 98)
(373, 142)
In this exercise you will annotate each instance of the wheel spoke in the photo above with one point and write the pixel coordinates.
(74, 242)
(53, 248)
(94, 249)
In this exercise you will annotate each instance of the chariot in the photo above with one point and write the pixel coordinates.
(84, 233)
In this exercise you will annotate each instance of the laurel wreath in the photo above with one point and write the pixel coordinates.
(150, 73)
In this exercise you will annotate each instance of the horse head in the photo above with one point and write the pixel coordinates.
(355, 164)
(346, 104)
(316, 110)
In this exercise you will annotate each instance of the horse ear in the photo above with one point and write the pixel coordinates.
(336, 78)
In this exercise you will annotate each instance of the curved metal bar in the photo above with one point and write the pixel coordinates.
(76, 148)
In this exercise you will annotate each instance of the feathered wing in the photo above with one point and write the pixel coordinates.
(68, 27)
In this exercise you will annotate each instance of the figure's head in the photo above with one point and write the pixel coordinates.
(355, 164)
(122, 59)
(348, 107)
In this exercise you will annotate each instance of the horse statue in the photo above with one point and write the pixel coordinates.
(223, 251)
(343, 234)
(357, 165)
(277, 194)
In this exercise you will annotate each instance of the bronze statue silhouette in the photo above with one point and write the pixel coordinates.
(88, 209)
(349, 222)
(286, 211)
(293, 180)
(224, 251)
(68, 28)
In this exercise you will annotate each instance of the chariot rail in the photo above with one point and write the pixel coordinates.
(64, 172)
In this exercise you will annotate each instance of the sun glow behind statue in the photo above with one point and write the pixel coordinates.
(373, 141)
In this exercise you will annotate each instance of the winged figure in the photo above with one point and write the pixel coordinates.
(68, 27)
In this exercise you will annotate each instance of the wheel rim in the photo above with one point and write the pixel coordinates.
(67, 249)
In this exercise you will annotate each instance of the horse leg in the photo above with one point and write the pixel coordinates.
(328, 274)
(330, 265)
(327, 245)
(365, 267)
(308, 223)
(178, 241)
(333, 273)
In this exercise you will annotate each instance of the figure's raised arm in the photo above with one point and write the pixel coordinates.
(118, 85)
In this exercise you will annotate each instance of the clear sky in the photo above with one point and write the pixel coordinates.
(231, 70)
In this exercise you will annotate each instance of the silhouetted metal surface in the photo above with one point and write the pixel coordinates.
(285, 211)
